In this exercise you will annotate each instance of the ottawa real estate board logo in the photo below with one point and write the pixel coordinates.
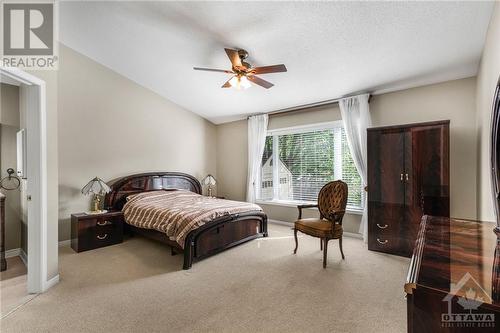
(469, 296)
(28, 36)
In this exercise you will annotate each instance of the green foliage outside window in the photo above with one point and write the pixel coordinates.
(311, 159)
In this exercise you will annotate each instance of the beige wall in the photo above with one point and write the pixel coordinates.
(8, 159)
(488, 75)
(232, 160)
(9, 105)
(110, 127)
(9, 125)
(312, 116)
(454, 100)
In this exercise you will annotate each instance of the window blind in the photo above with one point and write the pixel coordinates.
(307, 160)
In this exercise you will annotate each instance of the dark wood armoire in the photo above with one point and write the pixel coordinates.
(408, 176)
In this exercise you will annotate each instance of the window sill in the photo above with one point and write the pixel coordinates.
(294, 204)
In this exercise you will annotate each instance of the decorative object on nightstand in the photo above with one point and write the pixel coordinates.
(91, 231)
(98, 188)
(209, 181)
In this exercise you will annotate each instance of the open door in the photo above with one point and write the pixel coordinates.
(32, 104)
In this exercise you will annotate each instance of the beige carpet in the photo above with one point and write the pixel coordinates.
(259, 286)
(13, 286)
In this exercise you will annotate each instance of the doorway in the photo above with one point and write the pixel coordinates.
(32, 92)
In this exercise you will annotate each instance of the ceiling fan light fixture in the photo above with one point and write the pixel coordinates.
(244, 83)
(244, 73)
(240, 82)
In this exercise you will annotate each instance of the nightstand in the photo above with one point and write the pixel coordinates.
(91, 231)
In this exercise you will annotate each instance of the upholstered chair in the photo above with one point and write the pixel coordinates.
(332, 202)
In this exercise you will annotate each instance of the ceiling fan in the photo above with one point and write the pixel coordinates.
(243, 71)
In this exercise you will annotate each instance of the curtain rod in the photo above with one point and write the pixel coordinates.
(307, 106)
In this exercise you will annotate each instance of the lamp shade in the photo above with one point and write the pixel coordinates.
(209, 180)
(96, 186)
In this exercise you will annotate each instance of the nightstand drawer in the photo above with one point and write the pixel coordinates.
(93, 231)
(104, 236)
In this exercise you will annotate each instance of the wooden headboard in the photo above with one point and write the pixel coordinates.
(143, 182)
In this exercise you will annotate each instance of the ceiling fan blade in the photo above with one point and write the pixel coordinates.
(212, 70)
(269, 69)
(234, 57)
(259, 81)
(227, 84)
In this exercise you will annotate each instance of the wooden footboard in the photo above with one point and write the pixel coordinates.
(222, 234)
(212, 238)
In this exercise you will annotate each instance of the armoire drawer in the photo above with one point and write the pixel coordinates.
(383, 242)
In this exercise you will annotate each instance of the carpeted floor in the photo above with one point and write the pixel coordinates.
(13, 286)
(259, 286)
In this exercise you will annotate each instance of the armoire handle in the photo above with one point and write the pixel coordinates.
(401, 177)
(406, 177)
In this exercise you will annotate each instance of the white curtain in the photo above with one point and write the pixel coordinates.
(257, 130)
(356, 118)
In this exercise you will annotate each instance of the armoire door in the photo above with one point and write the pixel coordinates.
(426, 177)
(385, 189)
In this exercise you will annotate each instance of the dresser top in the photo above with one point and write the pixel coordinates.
(456, 256)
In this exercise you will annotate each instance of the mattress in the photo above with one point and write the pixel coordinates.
(177, 213)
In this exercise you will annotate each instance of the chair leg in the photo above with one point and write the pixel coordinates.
(296, 241)
(340, 245)
(321, 244)
(325, 252)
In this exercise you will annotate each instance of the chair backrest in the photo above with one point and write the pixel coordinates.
(332, 198)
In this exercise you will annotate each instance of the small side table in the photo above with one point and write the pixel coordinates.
(91, 231)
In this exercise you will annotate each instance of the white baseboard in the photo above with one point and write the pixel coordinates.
(50, 283)
(289, 224)
(66, 242)
(353, 235)
(24, 257)
(12, 253)
(17, 253)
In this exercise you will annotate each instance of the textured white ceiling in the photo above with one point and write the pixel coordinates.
(330, 48)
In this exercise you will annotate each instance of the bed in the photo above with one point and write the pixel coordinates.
(218, 234)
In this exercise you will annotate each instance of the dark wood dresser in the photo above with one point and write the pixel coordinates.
(453, 282)
(91, 231)
(408, 176)
(3, 262)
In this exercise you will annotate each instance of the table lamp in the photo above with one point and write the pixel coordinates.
(98, 188)
(209, 181)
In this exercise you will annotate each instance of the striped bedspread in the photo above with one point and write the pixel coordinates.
(178, 212)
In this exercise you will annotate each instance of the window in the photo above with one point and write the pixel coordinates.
(309, 157)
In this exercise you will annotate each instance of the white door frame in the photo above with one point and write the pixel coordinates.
(36, 130)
